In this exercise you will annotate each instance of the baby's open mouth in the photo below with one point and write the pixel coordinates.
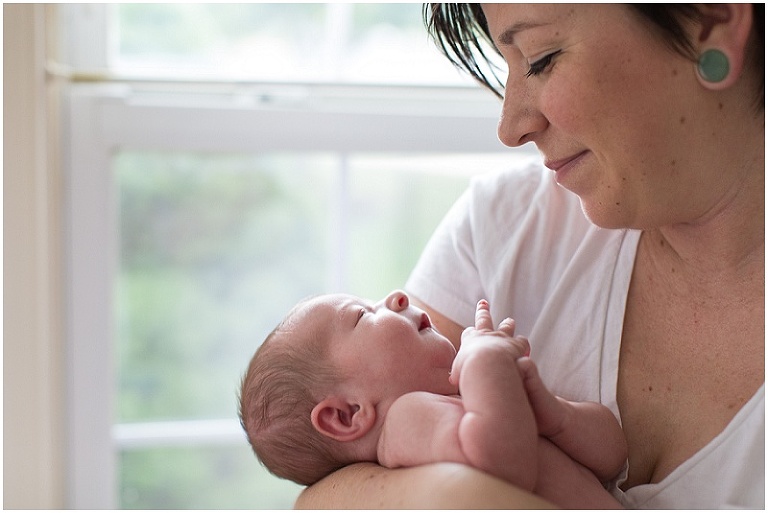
(425, 323)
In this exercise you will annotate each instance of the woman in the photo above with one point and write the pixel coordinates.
(639, 275)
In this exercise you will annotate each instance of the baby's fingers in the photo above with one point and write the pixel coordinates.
(523, 346)
(458, 362)
(507, 326)
(483, 319)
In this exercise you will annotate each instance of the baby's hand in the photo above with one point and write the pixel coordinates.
(483, 321)
(551, 413)
(483, 337)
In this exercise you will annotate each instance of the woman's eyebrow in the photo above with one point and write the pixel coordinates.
(507, 37)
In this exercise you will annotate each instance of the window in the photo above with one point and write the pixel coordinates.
(342, 43)
(206, 198)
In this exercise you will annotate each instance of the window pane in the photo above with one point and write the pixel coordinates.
(200, 478)
(357, 43)
(396, 202)
(214, 250)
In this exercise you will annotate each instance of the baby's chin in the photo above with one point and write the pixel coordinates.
(447, 345)
(444, 360)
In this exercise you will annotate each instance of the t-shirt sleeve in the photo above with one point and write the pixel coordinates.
(446, 275)
(507, 239)
(470, 252)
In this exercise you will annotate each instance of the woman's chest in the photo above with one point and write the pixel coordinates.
(687, 365)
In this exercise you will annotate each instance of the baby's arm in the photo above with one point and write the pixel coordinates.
(422, 428)
(491, 427)
(586, 431)
(498, 431)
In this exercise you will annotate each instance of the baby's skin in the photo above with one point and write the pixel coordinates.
(507, 423)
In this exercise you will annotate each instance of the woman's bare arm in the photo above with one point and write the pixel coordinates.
(434, 486)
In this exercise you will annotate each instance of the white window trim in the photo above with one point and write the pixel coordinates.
(103, 118)
(176, 115)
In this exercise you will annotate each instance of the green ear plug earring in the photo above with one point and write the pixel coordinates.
(713, 66)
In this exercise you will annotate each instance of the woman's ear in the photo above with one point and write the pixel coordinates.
(341, 420)
(724, 31)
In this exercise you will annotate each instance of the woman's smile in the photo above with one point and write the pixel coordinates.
(562, 167)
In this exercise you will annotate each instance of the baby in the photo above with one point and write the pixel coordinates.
(342, 380)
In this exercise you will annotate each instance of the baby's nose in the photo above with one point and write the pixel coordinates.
(397, 301)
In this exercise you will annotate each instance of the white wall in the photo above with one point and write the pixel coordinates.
(33, 466)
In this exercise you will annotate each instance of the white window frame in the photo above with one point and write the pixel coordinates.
(102, 118)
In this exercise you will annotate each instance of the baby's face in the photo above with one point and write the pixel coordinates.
(388, 348)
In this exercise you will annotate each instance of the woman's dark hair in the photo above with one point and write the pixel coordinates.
(461, 33)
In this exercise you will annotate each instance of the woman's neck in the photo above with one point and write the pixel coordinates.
(727, 242)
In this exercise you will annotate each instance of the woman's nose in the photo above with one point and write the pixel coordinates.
(397, 301)
(521, 120)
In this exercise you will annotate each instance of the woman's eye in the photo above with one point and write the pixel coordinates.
(541, 65)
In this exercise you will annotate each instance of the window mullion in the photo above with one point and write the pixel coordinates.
(340, 226)
(104, 118)
(90, 252)
(141, 435)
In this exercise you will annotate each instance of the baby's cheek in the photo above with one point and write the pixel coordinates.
(444, 356)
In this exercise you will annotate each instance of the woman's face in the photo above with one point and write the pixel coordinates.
(614, 112)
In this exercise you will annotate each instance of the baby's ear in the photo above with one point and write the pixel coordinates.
(341, 420)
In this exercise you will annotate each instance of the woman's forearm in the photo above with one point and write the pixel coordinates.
(434, 486)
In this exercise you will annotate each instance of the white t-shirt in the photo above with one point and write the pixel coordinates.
(522, 242)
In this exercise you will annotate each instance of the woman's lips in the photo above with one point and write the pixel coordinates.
(562, 166)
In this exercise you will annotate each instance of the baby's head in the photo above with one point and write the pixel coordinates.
(317, 390)
(282, 384)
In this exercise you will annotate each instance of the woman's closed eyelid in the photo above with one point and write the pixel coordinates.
(542, 64)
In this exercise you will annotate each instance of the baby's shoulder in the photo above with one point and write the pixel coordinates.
(425, 408)
(419, 428)
(422, 398)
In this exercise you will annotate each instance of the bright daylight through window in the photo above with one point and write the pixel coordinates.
(226, 161)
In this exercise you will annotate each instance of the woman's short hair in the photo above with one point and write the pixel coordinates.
(461, 33)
